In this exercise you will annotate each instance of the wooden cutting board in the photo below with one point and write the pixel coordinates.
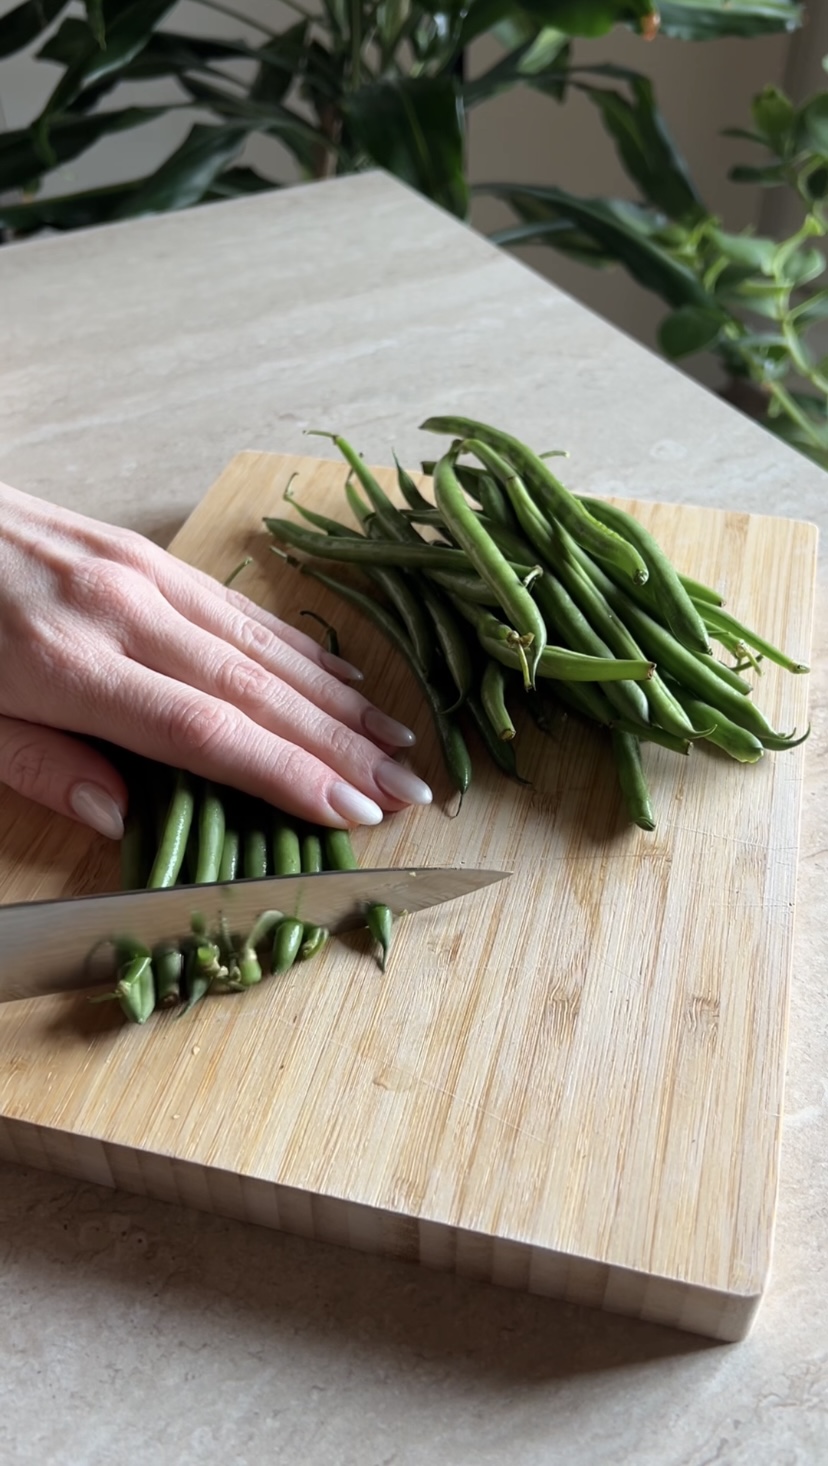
(572, 1085)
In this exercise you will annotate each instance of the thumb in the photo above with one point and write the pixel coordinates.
(64, 774)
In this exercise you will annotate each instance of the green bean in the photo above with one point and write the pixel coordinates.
(550, 494)
(254, 854)
(684, 667)
(699, 592)
(466, 586)
(338, 850)
(668, 593)
(630, 770)
(322, 522)
(170, 855)
(452, 642)
(168, 966)
(287, 939)
(727, 674)
(720, 730)
(513, 597)
(614, 629)
(135, 989)
(387, 512)
(501, 753)
(210, 835)
(718, 620)
(403, 598)
(286, 848)
(331, 642)
(380, 922)
(262, 928)
(133, 851)
(648, 733)
(454, 752)
(229, 864)
(567, 619)
(409, 490)
(234, 574)
(493, 698)
(357, 550)
(315, 937)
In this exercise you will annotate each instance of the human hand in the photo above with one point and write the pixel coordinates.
(103, 634)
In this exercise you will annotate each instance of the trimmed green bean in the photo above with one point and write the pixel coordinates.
(315, 937)
(168, 967)
(254, 854)
(339, 852)
(210, 835)
(230, 851)
(380, 922)
(286, 847)
(170, 857)
(135, 989)
(287, 939)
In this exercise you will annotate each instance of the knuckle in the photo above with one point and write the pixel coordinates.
(198, 726)
(243, 681)
(99, 586)
(255, 639)
(25, 764)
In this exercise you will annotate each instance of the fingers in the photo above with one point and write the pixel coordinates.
(62, 774)
(210, 604)
(216, 647)
(187, 728)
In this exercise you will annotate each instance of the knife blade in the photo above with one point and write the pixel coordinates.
(49, 947)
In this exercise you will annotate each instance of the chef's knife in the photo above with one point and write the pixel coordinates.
(60, 946)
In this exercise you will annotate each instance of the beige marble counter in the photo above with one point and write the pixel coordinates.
(134, 362)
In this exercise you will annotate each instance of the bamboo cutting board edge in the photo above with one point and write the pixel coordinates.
(576, 1275)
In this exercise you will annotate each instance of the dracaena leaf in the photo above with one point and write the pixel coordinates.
(188, 173)
(20, 161)
(21, 26)
(414, 127)
(646, 148)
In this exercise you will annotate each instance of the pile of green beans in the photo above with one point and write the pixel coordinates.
(507, 589)
(187, 831)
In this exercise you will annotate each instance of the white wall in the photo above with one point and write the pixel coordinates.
(525, 137)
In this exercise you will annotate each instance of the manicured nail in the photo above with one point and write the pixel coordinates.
(353, 806)
(97, 809)
(400, 783)
(387, 730)
(338, 667)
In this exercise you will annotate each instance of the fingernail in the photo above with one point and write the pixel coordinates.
(387, 730)
(353, 806)
(400, 783)
(338, 667)
(97, 809)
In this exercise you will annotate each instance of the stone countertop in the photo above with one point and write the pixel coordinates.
(135, 362)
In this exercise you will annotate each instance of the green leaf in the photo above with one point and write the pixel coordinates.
(73, 211)
(773, 114)
(69, 42)
(812, 125)
(95, 19)
(26, 22)
(705, 20)
(814, 182)
(625, 232)
(646, 149)
(297, 134)
(281, 60)
(415, 128)
(236, 183)
(811, 310)
(127, 35)
(745, 249)
(568, 240)
(20, 162)
(803, 266)
(769, 177)
(187, 174)
(689, 329)
(587, 18)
